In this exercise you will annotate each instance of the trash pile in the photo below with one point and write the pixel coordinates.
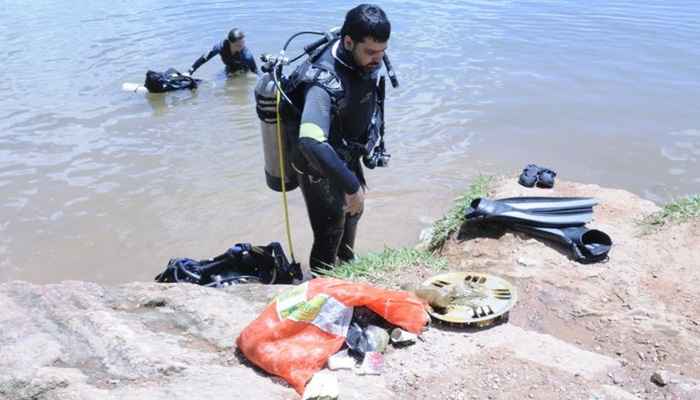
(306, 327)
(349, 326)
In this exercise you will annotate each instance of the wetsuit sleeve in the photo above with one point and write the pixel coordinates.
(313, 141)
(205, 57)
(250, 60)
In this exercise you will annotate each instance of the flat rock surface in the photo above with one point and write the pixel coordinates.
(595, 331)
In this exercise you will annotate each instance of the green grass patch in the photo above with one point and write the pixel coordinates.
(677, 211)
(451, 222)
(384, 267)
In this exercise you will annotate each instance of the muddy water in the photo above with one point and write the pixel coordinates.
(104, 185)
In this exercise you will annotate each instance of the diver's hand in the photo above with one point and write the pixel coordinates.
(355, 203)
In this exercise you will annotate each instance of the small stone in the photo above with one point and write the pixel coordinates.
(660, 378)
(477, 253)
(641, 355)
(614, 379)
(525, 262)
(532, 396)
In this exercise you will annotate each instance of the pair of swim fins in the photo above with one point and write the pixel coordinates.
(558, 219)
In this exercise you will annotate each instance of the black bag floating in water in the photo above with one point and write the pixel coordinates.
(161, 82)
(242, 263)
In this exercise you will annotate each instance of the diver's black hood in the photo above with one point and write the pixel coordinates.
(344, 56)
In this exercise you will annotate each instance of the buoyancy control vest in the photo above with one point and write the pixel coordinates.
(235, 62)
(356, 107)
(356, 131)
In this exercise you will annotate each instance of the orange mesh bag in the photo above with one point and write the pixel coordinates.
(297, 333)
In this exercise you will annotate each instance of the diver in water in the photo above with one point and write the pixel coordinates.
(233, 52)
(340, 93)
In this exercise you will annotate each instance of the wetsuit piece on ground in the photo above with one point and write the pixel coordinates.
(241, 61)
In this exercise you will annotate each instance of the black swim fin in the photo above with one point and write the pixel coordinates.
(554, 212)
(550, 205)
(586, 245)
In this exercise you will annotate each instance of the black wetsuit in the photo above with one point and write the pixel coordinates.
(330, 127)
(240, 61)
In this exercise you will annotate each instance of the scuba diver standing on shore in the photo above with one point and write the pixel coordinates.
(234, 54)
(341, 90)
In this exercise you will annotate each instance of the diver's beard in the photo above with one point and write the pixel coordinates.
(370, 67)
(367, 68)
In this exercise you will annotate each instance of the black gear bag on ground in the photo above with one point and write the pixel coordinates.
(161, 82)
(242, 263)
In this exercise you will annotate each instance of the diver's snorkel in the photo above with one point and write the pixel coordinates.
(390, 71)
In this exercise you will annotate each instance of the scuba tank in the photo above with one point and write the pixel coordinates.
(266, 107)
(266, 92)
